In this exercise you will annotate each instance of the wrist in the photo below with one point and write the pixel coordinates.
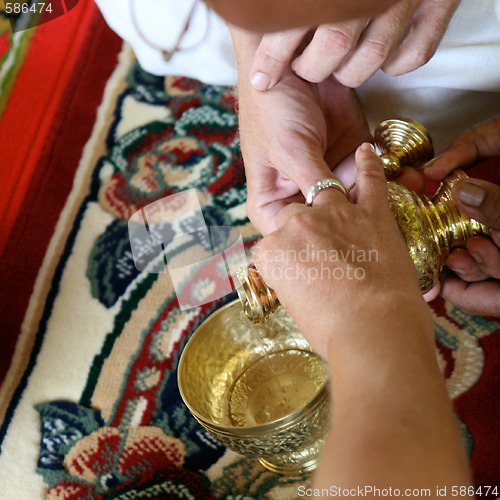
(382, 313)
(395, 321)
(389, 339)
(245, 44)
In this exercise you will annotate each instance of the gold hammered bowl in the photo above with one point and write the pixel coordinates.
(226, 376)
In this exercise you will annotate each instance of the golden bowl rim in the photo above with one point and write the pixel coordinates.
(281, 423)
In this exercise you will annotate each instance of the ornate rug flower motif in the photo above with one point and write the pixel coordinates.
(109, 455)
(108, 460)
(194, 147)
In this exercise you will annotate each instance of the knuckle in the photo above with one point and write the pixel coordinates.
(372, 174)
(302, 223)
(252, 210)
(420, 55)
(337, 40)
(377, 50)
(272, 58)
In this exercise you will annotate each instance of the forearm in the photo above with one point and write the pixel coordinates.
(245, 45)
(393, 422)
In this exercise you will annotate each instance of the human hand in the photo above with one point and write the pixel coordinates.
(366, 316)
(399, 40)
(473, 286)
(292, 137)
(348, 271)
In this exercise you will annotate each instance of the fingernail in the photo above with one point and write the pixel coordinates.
(366, 146)
(458, 270)
(477, 257)
(471, 194)
(260, 81)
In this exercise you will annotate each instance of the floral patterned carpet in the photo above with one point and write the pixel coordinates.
(90, 404)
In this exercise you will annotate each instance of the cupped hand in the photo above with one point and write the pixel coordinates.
(474, 285)
(399, 40)
(292, 137)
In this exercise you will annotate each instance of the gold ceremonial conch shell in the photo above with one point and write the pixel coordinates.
(431, 227)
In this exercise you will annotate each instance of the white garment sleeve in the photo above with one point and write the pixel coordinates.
(160, 22)
(457, 88)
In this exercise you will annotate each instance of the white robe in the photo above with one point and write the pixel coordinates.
(459, 87)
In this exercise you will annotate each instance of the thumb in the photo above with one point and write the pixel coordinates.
(370, 178)
(272, 56)
(480, 200)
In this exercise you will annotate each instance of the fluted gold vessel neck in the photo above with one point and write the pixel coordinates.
(431, 227)
(257, 298)
(460, 227)
(403, 142)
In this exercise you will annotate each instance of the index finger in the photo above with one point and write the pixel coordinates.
(330, 45)
(428, 26)
(479, 142)
(379, 39)
(273, 55)
(326, 196)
